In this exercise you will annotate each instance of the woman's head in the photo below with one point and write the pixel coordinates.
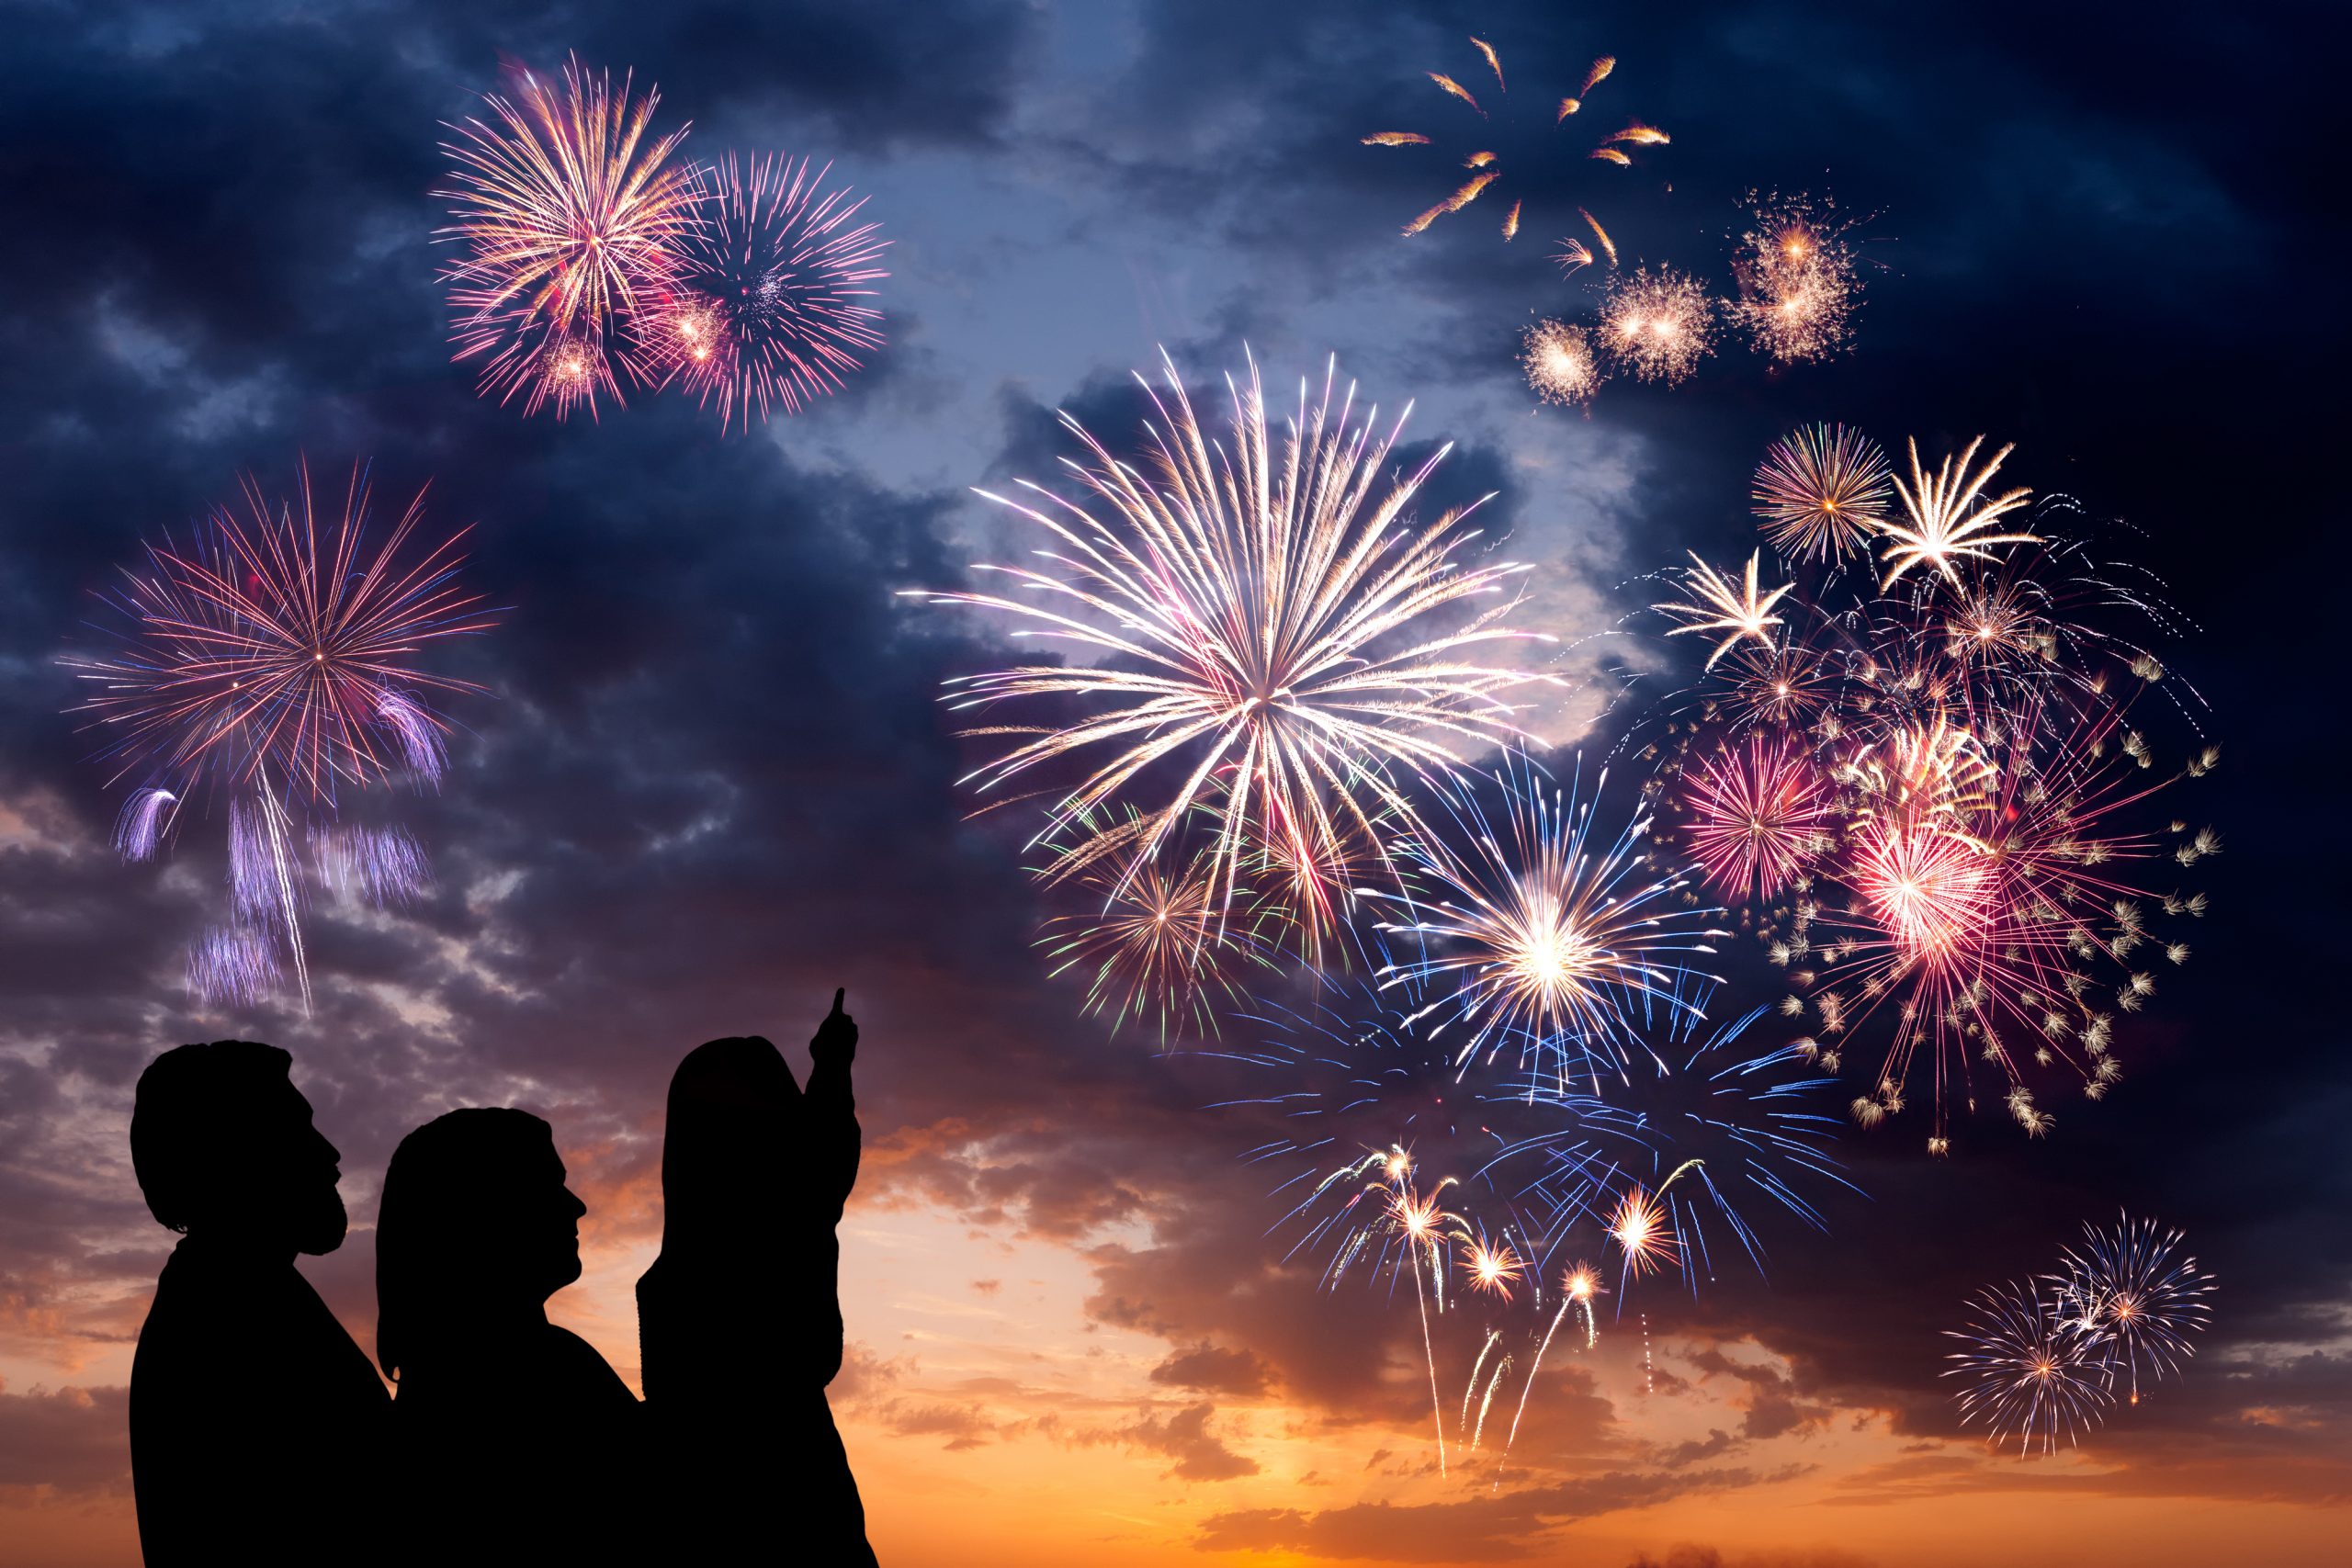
(724, 1148)
(477, 1228)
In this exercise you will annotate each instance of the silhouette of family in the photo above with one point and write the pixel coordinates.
(259, 1433)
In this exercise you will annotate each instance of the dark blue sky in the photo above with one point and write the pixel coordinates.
(712, 779)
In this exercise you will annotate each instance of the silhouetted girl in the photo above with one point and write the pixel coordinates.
(739, 1320)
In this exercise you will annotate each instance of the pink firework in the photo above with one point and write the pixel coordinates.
(765, 304)
(570, 219)
(1755, 815)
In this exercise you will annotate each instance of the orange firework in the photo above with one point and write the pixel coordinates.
(1559, 362)
(1495, 115)
(1798, 289)
(1643, 1234)
(1823, 490)
(1658, 325)
(1494, 1269)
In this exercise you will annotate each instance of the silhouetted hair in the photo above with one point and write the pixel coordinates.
(732, 1118)
(439, 1231)
(190, 1101)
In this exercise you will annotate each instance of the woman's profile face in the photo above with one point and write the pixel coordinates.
(543, 1219)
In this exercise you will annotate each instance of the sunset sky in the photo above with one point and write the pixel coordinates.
(712, 779)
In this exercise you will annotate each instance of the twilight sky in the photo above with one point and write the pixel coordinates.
(713, 780)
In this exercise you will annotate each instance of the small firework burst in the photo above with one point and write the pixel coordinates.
(1500, 140)
(1153, 946)
(766, 297)
(1559, 362)
(1741, 613)
(1657, 325)
(2131, 1288)
(1643, 1238)
(1946, 516)
(569, 218)
(1823, 490)
(1755, 815)
(2030, 1371)
(1796, 276)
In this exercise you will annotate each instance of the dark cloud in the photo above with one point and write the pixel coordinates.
(1212, 1369)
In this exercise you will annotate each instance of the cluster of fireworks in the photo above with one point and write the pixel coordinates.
(1918, 769)
(1910, 771)
(594, 251)
(270, 666)
(2045, 1357)
(1796, 289)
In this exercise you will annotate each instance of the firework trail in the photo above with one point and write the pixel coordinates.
(274, 661)
(2028, 1370)
(1540, 935)
(2127, 1290)
(1498, 128)
(1657, 325)
(1822, 492)
(1279, 644)
(569, 219)
(764, 300)
(1796, 276)
(1559, 362)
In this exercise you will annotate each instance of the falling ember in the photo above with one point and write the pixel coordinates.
(1658, 325)
(1607, 246)
(1823, 490)
(1510, 223)
(569, 217)
(1559, 362)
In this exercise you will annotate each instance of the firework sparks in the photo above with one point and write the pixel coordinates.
(764, 303)
(2130, 1288)
(1546, 932)
(569, 217)
(1559, 362)
(1822, 492)
(1796, 276)
(1742, 612)
(1942, 528)
(1272, 628)
(1658, 325)
(2027, 1371)
(1496, 126)
(1644, 1239)
(277, 660)
(1755, 815)
(236, 968)
(1152, 944)
(1492, 1268)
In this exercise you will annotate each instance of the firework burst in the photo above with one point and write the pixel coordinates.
(1796, 276)
(274, 661)
(1540, 934)
(2130, 1288)
(1657, 325)
(1822, 492)
(765, 301)
(569, 217)
(1497, 140)
(1559, 362)
(2027, 1371)
(1754, 816)
(1946, 515)
(1275, 638)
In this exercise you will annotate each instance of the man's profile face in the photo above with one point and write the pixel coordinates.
(278, 1177)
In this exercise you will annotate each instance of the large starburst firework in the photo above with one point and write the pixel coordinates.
(569, 217)
(1822, 492)
(1278, 648)
(2029, 1372)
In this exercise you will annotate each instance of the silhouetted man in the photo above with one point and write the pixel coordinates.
(256, 1422)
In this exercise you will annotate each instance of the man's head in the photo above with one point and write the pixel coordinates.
(223, 1147)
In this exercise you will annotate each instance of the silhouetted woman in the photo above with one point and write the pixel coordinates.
(739, 1320)
(512, 1441)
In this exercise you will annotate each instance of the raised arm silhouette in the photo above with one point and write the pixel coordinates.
(256, 1422)
(739, 1320)
(512, 1441)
